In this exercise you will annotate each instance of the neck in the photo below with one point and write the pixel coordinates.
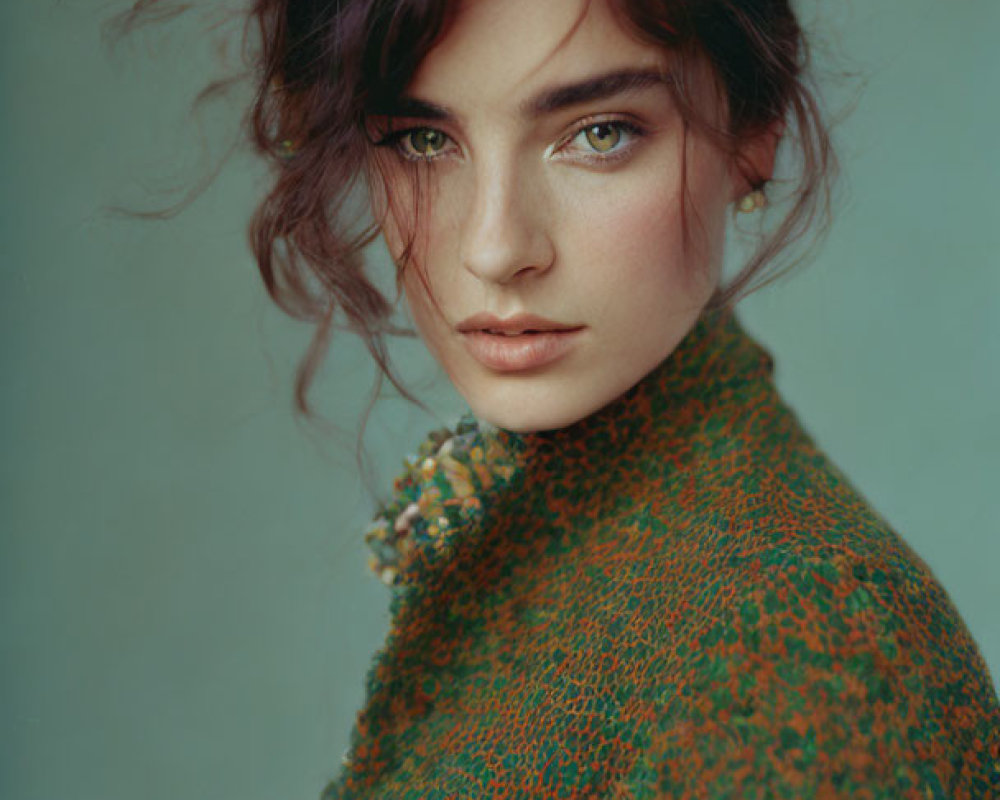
(677, 411)
(681, 392)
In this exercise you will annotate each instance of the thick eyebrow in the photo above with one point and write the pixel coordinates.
(406, 106)
(599, 87)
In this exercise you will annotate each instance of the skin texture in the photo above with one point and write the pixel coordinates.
(521, 212)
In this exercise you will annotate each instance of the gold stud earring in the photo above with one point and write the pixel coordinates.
(753, 201)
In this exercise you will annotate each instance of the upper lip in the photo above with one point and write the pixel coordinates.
(519, 323)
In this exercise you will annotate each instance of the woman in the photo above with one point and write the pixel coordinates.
(629, 572)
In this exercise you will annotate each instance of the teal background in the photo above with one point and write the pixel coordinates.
(184, 605)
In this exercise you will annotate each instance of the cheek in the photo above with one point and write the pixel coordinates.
(634, 234)
(400, 204)
(650, 263)
(667, 232)
(419, 225)
(409, 240)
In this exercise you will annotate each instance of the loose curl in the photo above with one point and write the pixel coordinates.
(319, 67)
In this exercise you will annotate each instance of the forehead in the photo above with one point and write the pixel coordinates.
(500, 52)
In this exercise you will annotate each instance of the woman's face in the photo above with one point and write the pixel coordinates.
(552, 267)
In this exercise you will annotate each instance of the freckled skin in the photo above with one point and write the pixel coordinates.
(510, 226)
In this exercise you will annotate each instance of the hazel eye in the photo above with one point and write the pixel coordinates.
(419, 144)
(601, 143)
(603, 137)
(424, 142)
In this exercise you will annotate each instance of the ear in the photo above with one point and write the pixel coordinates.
(753, 165)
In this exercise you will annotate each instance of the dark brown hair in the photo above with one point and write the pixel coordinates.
(320, 66)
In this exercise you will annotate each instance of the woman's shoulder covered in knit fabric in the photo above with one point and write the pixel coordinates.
(684, 599)
(829, 677)
(831, 662)
(840, 665)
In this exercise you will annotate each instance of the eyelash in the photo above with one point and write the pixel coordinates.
(631, 131)
(396, 139)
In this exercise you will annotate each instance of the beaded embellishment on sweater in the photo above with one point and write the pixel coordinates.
(438, 497)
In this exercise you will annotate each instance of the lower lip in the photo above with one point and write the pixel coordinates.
(525, 351)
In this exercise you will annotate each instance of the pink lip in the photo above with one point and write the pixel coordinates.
(518, 343)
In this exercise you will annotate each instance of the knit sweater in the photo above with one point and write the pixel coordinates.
(677, 597)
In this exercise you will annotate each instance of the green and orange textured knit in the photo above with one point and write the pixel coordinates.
(678, 597)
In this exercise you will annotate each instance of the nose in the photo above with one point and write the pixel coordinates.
(505, 231)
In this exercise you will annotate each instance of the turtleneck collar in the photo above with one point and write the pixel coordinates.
(712, 357)
(459, 477)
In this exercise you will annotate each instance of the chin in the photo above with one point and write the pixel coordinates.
(552, 398)
(527, 423)
(532, 411)
(520, 423)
